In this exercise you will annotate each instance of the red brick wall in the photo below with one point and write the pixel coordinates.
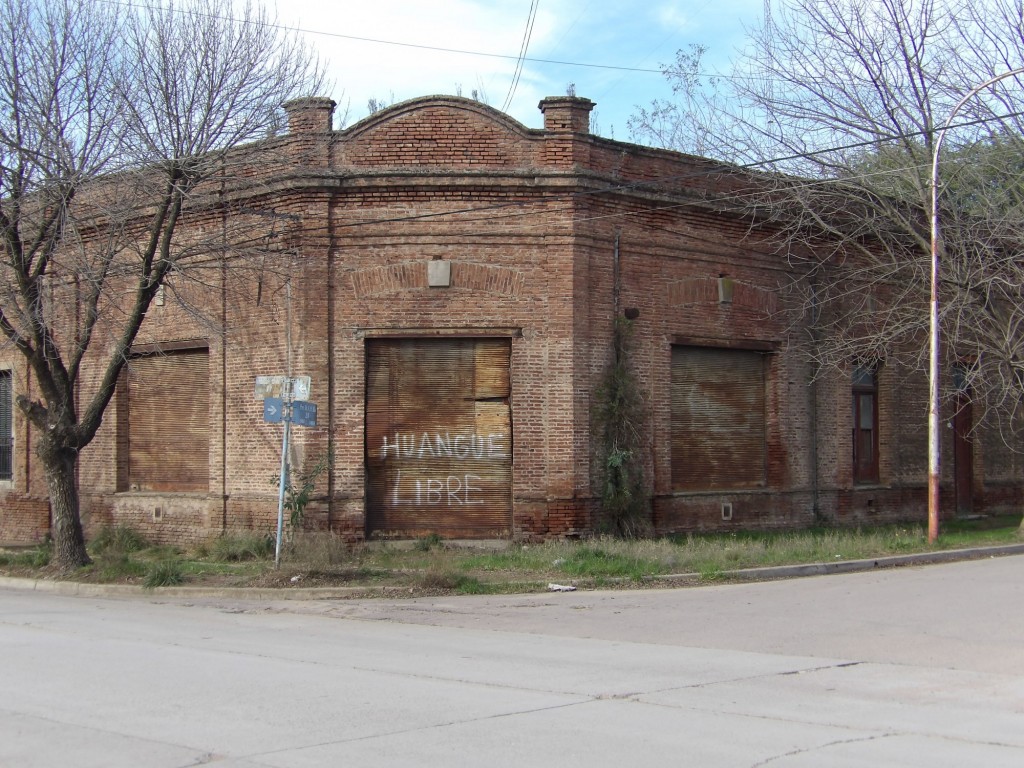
(24, 508)
(528, 220)
(23, 520)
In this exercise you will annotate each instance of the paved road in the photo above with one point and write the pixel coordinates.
(908, 667)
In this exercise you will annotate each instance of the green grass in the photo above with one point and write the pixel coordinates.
(36, 557)
(603, 562)
(239, 547)
(119, 567)
(432, 565)
(316, 550)
(164, 573)
(446, 581)
(428, 543)
(708, 556)
(711, 573)
(120, 538)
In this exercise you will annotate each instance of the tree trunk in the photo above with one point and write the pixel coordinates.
(68, 540)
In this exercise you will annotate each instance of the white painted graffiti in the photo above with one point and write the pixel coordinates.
(452, 491)
(437, 445)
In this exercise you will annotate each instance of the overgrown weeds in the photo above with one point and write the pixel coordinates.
(316, 550)
(36, 557)
(118, 538)
(618, 413)
(299, 487)
(447, 581)
(429, 542)
(119, 567)
(165, 573)
(432, 565)
(602, 562)
(238, 547)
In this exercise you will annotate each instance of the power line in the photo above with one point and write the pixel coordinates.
(527, 34)
(441, 49)
(420, 46)
(717, 167)
(485, 54)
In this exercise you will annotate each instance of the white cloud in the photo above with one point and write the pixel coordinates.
(364, 69)
(610, 32)
(675, 17)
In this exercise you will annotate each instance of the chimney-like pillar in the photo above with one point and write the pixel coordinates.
(566, 114)
(311, 114)
(309, 129)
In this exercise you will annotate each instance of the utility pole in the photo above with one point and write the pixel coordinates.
(933, 368)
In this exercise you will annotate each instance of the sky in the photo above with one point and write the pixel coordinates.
(386, 49)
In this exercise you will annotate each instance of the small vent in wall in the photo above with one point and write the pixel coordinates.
(157, 513)
(727, 510)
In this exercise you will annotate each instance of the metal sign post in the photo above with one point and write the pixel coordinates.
(284, 399)
(281, 486)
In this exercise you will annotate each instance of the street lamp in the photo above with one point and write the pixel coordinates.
(933, 372)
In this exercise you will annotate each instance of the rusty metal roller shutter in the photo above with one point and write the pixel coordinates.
(438, 437)
(718, 419)
(169, 422)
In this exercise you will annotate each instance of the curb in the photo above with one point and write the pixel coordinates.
(82, 589)
(854, 566)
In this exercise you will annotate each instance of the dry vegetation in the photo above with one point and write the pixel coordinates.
(433, 566)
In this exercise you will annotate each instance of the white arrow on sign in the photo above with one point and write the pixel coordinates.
(282, 387)
(273, 409)
(300, 388)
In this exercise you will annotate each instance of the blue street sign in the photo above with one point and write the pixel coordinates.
(304, 413)
(273, 409)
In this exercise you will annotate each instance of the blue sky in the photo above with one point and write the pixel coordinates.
(642, 34)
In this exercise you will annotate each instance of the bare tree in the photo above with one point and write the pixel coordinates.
(837, 105)
(112, 117)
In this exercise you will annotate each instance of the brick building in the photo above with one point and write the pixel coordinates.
(449, 280)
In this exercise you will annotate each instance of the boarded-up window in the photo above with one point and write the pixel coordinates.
(438, 437)
(718, 419)
(166, 439)
(6, 426)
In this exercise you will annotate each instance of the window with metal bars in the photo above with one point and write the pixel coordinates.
(6, 425)
(865, 425)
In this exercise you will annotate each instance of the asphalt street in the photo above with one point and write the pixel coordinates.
(918, 666)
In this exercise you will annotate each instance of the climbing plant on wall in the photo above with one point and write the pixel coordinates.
(619, 421)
